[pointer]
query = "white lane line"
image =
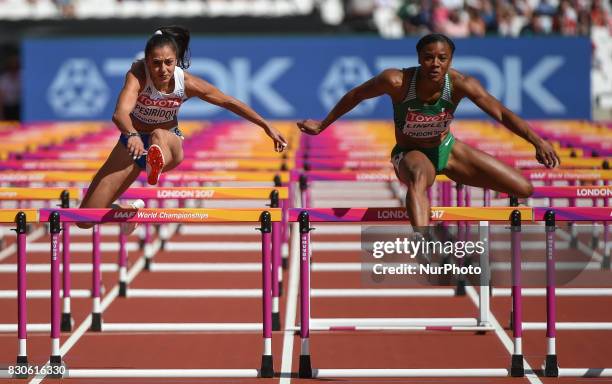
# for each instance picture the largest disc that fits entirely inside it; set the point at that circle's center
(290, 311)
(12, 249)
(46, 268)
(503, 337)
(586, 250)
(84, 247)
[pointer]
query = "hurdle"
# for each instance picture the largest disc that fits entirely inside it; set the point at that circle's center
(58, 216)
(362, 215)
(277, 197)
(20, 218)
(63, 195)
(582, 192)
(551, 216)
(201, 193)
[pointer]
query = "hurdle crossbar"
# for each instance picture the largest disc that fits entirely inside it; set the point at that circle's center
(197, 193)
(160, 215)
(398, 214)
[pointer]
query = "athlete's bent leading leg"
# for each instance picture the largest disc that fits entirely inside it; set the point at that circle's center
(114, 177)
(470, 166)
(164, 154)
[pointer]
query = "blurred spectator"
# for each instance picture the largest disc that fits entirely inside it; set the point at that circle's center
(416, 16)
(476, 23)
(599, 15)
(359, 14)
(439, 16)
(566, 19)
(10, 89)
(584, 23)
(509, 24)
(66, 8)
(538, 25)
(488, 15)
(457, 25)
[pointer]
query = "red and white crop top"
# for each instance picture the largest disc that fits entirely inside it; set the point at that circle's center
(155, 107)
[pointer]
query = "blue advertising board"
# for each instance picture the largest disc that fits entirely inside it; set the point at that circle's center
(303, 77)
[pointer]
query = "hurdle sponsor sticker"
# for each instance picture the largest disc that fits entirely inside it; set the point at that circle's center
(124, 214)
(185, 193)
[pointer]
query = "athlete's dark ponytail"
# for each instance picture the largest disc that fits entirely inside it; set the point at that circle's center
(177, 37)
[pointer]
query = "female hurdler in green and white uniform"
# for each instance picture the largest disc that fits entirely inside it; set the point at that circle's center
(424, 101)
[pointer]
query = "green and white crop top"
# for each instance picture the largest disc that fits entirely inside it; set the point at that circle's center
(416, 119)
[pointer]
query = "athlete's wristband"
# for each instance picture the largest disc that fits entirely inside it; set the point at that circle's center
(130, 134)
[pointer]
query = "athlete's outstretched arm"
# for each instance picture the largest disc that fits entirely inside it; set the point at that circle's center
(125, 105)
(384, 83)
(195, 86)
(470, 87)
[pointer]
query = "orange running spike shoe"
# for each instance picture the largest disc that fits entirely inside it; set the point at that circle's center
(155, 163)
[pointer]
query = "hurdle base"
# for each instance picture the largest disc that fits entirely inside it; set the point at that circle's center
(460, 290)
(22, 361)
(305, 371)
(594, 243)
(276, 323)
(267, 366)
(148, 263)
(96, 322)
(66, 324)
(486, 325)
(517, 369)
(122, 289)
(605, 263)
(55, 361)
(573, 243)
(162, 244)
(141, 244)
(551, 366)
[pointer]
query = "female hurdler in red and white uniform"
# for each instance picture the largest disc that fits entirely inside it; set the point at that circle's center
(146, 115)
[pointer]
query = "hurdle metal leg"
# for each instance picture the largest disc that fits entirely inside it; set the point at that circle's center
(276, 272)
(66, 324)
(485, 276)
(55, 358)
(96, 315)
(267, 367)
(516, 369)
(22, 316)
(305, 367)
(123, 259)
(551, 367)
